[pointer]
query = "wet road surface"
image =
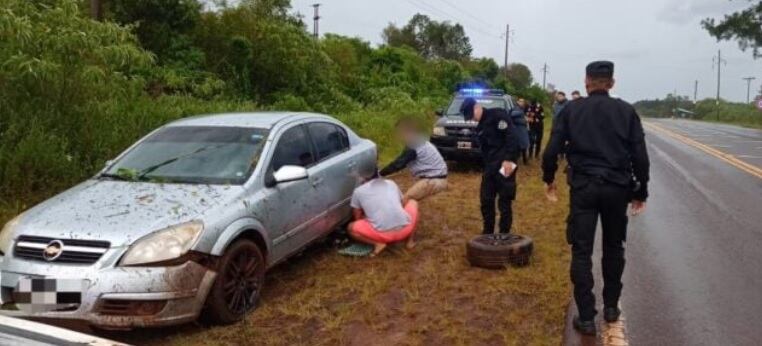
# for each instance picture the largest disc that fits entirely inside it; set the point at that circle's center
(694, 259)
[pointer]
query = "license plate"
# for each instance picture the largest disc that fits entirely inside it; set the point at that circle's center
(464, 145)
(44, 294)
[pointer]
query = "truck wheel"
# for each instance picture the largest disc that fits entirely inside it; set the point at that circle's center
(496, 251)
(238, 285)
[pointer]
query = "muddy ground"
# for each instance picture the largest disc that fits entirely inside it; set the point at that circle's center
(427, 296)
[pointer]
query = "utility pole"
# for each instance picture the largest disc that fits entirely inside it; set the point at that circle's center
(507, 39)
(719, 61)
(544, 74)
(748, 88)
(316, 20)
(96, 9)
(695, 92)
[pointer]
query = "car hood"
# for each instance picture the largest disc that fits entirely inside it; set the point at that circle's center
(455, 120)
(121, 212)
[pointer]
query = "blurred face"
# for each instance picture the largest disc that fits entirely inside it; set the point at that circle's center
(560, 97)
(522, 103)
(478, 112)
(575, 96)
(406, 133)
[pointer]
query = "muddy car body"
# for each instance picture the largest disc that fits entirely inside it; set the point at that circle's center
(151, 235)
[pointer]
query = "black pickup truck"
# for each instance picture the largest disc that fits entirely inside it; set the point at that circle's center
(453, 135)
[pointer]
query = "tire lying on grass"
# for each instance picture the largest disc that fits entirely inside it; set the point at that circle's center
(496, 251)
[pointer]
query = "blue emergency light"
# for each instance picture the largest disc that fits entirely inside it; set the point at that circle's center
(472, 91)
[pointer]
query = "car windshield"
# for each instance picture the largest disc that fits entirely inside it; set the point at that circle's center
(486, 102)
(193, 154)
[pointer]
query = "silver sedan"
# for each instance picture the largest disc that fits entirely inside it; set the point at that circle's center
(185, 222)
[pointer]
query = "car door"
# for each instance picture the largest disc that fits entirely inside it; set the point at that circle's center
(291, 207)
(334, 169)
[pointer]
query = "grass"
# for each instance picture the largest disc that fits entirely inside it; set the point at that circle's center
(428, 296)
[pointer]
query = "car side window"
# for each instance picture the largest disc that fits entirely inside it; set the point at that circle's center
(329, 139)
(293, 148)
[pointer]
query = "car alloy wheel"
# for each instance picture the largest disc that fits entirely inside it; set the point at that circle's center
(241, 282)
(238, 285)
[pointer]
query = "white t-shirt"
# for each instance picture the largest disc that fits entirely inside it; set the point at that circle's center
(381, 201)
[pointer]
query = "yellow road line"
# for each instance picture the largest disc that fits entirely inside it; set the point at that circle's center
(728, 158)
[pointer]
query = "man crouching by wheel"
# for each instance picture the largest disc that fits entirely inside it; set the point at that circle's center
(500, 151)
(424, 161)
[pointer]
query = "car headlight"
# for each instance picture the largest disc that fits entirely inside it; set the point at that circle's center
(439, 131)
(6, 235)
(163, 245)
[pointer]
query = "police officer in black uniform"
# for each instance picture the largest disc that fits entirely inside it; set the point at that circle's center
(608, 169)
(500, 151)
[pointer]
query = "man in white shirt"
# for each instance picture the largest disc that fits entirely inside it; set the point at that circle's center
(380, 218)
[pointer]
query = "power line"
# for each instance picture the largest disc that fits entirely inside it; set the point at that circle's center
(467, 13)
(429, 8)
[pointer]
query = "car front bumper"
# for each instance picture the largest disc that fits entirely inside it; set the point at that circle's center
(179, 292)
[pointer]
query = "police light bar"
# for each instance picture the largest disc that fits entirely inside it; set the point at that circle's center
(479, 91)
(472, 91)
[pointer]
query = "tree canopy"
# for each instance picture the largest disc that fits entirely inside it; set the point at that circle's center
(430, 38)
(519, 75)
(744, 26)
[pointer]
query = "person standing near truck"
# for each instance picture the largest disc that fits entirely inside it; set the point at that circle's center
(608, 169)
(424, 161)
(536, 129)
(500, 151)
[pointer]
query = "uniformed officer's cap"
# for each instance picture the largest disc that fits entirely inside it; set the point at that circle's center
(600, 69)
(467, 108)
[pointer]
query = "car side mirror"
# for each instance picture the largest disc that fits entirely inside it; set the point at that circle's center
(439, 112)
(288, 173)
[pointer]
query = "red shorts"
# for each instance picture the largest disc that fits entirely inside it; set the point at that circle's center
(365, 229)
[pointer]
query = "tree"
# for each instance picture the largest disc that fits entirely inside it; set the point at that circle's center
(519, 76)
(485, 69)
(743, 26)
(162, 26)
(430, 38)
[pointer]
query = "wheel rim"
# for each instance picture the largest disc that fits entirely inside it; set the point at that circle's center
(242, 282)
(500, 239)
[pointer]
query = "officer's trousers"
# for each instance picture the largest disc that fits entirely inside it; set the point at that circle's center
(495, 185)
(535, 141)
(591, 198)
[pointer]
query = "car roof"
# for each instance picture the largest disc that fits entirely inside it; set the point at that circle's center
(247, 119)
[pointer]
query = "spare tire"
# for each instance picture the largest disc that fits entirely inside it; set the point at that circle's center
(496, 251)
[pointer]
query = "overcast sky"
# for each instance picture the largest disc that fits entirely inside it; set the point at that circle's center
(658, 45)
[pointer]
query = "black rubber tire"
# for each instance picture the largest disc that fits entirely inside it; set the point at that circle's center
(221, 307)
(497, 251)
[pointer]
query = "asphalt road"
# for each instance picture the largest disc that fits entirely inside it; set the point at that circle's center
(694, 259)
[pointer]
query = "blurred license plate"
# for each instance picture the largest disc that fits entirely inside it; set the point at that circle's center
(464, 145)
(44, 294)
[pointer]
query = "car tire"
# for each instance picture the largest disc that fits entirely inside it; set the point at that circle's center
(241, 273)
(496, 251)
